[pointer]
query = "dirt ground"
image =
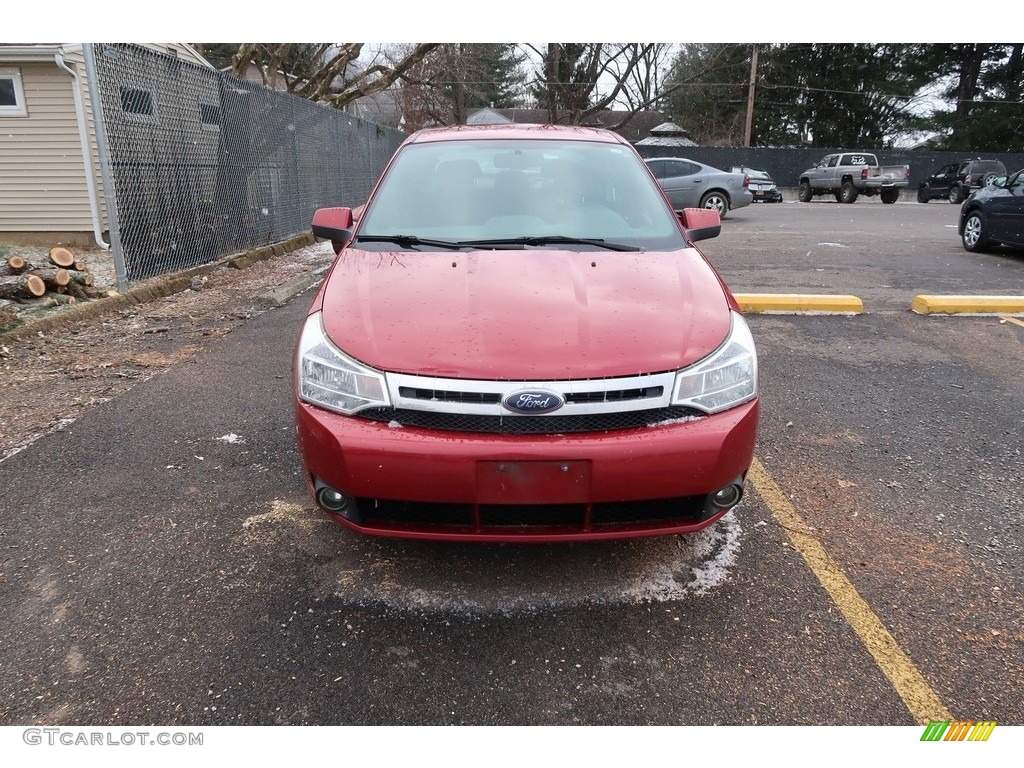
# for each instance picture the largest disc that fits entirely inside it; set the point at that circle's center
(51, 378)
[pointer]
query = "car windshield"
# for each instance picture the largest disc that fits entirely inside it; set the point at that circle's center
(518, 193)
(755, 174)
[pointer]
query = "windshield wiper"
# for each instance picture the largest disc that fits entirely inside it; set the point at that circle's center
(550, 240)
(407, 240)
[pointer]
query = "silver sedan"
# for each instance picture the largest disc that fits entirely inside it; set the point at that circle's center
(690, 184)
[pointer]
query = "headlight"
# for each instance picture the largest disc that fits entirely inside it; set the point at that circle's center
(724, 379)
(329, 378)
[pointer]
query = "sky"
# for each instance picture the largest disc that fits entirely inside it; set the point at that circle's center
(473, 21)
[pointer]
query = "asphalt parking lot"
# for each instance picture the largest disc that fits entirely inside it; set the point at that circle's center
(152, 571)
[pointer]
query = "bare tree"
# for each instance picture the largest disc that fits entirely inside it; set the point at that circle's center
(577, 80)
(455, 79)
(326, 72)
(643, 82)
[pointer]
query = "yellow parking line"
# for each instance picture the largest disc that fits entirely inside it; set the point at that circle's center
(911, 686)
(925, 304)
(1008, 319)
(799, 302)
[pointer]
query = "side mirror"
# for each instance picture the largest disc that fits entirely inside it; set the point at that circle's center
(334, 224)
(700, 223)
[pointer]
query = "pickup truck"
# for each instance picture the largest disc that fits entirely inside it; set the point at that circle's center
(850, 174)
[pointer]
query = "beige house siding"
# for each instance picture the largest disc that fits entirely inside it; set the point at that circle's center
(76, 61)
(181, 50)
(42, 173)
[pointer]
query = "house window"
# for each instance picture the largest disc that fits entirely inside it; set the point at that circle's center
(137, 101)
(209, 116)
(12, 95)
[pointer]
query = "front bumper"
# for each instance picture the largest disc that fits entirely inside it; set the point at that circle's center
(418, 483)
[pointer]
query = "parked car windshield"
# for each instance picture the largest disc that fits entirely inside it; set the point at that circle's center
(491, 189)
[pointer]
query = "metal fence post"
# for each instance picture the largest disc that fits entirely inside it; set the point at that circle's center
(109, 190)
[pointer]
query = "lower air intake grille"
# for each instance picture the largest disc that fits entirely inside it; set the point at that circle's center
(685, 509)
(528, 425)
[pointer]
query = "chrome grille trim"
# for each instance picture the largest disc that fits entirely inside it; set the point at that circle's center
(483, 398)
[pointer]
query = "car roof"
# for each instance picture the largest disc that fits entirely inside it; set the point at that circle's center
(684, 159)
(516, 131)
(688, 160)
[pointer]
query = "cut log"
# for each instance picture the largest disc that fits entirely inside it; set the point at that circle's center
(82, 278)
(21, 287)
(80, 266)
(62, 257)
(39, 302)
(77, 290)
(15, 265)
(93, 292)
(54, 278)
(62, 298)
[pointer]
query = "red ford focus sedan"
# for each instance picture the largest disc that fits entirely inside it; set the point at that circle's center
(518, 341)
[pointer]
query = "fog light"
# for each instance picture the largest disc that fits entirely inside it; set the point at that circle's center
(727, 497)
(332, 500)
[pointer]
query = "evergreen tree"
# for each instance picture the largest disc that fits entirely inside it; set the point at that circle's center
(984, 84)
(839, 95)
(710, 99)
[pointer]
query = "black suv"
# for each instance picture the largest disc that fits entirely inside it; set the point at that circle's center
(956, 181)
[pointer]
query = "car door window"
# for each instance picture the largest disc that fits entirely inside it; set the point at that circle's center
(832, 161)
(657, 168)
(681, 168)
(858, 160)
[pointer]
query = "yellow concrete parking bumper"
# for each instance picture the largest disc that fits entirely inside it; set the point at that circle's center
(961, 305)
(800, 302)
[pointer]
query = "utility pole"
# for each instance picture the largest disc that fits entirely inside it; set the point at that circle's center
(750, 97)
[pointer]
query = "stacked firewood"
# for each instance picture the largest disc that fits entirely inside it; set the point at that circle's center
(64, 279)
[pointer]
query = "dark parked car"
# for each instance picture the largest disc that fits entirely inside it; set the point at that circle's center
(689, 184)
(954, 182)
(762, 185)
(994, 215)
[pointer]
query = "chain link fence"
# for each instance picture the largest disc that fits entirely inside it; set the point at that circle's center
(199, 164)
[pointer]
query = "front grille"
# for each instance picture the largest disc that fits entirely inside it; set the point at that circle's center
(605, 515)
(446, 396)
(615, 395)
(490, 398)
(528, 425)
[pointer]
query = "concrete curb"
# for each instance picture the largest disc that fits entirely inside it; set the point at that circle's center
(151, 290)
(968, 305)
(789, 303)
(282, 294)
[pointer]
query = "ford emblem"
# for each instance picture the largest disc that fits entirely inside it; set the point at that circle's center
(533, 401)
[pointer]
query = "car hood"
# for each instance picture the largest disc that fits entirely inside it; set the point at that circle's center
(525, 314)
